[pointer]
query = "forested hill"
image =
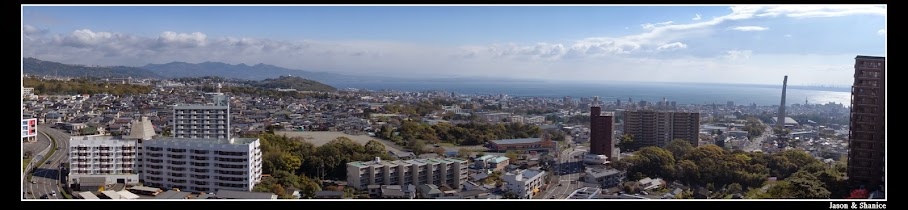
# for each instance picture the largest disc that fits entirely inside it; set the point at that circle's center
(291, 82)
(33, 66)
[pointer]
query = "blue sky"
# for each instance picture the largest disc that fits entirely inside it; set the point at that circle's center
(813, 44)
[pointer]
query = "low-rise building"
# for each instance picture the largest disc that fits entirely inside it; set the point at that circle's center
(525, 144)
(429, 191)
(526, 183)
(450, 172)
(606, 178)
(492, 162)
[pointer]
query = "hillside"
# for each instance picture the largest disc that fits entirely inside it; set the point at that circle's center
(34, 66)
(291, 82)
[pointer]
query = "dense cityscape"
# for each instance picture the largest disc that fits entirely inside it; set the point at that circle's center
(123, 135)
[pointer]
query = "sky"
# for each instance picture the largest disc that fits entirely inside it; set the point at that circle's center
(746, 44)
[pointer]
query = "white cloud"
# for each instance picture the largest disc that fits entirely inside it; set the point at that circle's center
(787, 35)
(809, 11)
(30, 30)
(749, 28)
(672, 46)
(697, 17)
(736, 55)
(650, 26)
(170, 38)
(881, 32)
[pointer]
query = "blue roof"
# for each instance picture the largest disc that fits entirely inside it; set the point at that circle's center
(517, 141)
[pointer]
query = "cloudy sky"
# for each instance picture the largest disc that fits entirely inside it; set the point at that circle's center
(813, 44)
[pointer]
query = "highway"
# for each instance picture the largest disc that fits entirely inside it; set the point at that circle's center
(568, 170)
(45, 179)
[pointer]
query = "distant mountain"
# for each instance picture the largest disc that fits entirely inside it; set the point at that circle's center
(291, 82)
(242, 71)
(33, 66)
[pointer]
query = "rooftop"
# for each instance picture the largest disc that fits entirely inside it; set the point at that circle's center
(598, 172)
(172, 194)
(230, 194)
(393, 163)
(517, 141)
(870, 57)
(233, 141)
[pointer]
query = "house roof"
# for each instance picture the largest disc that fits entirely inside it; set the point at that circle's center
(230, 194)
(517, 141)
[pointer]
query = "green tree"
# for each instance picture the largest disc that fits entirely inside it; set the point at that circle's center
(285, 178)
(653, 161)
(464, 153)
(417, 146)
(679, 148)
(735, 188)
(626, 143)
(805, 185)
(308, 186)
(288, 162)
(375, 148)
(511, 155)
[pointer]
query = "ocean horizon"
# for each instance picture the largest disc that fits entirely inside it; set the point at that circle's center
(682, 93)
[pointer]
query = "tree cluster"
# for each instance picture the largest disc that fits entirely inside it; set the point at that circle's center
(711, 166)
(460, 134)
(82, 86)
(293, 162)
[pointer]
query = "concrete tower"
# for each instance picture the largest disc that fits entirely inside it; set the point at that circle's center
(780, 122)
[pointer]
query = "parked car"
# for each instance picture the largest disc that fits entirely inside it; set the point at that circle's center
(53, 193)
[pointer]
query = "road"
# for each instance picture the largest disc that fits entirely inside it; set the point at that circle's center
(46, 177)
(568, 172)
(757, 143)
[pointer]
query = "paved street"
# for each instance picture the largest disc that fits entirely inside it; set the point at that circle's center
(757, 143)
(45, 180)
(567, 173)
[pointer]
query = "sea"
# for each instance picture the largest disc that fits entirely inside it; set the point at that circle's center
(682, 93)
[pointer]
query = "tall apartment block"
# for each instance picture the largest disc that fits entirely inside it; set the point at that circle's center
(95, 161)
(601, 131)
(210, 120)
(98, 159)
(201, 156)
(867, 137)
(202, 165)
(657, 128)
(438, 171)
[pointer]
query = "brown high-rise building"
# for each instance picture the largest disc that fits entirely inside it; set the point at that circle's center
(601, 132)
(657, 128)
(867, 137)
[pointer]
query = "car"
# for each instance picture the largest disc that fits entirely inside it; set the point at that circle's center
(53, 193)
(34, 182)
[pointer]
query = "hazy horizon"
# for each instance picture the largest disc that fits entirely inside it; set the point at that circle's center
(814, 45)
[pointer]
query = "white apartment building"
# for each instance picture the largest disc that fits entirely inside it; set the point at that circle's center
(526, 183)
(202, 165)
(208, 121)
(439, 171)
(95, 157)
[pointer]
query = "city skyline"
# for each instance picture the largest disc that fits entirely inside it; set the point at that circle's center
(738, 44)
